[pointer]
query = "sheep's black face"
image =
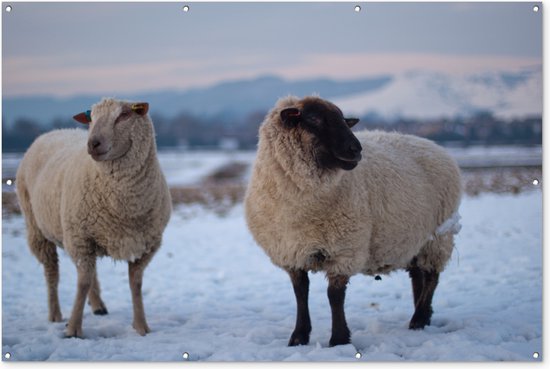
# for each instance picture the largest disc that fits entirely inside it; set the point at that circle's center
(335, 145)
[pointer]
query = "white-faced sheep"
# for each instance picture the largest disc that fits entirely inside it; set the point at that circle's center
(96, 193)
(315, 203)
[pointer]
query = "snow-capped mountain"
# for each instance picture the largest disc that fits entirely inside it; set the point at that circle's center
(228, 101)
(428, 95)
(417, 94)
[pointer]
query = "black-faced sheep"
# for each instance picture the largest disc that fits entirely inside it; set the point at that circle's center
(96, 193)
(323, 199)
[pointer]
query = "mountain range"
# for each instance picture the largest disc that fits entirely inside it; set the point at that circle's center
(425, 95)
(415, 94)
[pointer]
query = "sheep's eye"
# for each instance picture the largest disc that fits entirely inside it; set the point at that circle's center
(123, 116)
(314, 122)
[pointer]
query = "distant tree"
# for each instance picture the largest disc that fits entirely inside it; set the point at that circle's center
(21, 135)
(247, 133)
(60, 123)
(164, 136)
(186, 129)
(196, 131)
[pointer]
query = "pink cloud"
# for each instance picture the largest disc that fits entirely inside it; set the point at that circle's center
(60, 76)
(362, 64)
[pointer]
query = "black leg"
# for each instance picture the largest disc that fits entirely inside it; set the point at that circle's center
(300, 283)
(336, 295)
(423, 310)
(417, 279)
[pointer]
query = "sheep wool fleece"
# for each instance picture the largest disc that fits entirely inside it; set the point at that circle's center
(118, 208)
(374, 219)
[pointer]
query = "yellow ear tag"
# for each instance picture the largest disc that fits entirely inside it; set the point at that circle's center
(140, 108)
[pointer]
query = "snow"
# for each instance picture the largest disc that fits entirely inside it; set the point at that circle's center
(451, 225)
(188, 167)
(211, 292)
(429, 95)
(496, 156)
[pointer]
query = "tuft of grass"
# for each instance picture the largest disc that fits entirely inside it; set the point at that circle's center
(230, 173)
(225, 188)
(501, 180)
(10, 205)
(219, 198)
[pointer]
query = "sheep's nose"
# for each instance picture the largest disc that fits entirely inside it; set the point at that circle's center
(355, 150)
(94, 143)
(98, 147)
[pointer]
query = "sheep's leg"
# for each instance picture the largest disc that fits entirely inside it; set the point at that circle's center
(86, 271)
(300, 283)
(51, 270)
(423, 310)
(337, 294)
(417, 280)
(135, 272)
(94, 298)
(46, 252)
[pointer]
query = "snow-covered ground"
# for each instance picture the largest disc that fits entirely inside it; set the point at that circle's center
(181, 167)
(212, 293)
(496, 156)
(187, 167)
(184, 167)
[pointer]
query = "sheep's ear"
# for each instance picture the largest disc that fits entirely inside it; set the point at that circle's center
(85, 117)
(141, 108)
(351, 121)
(291, 116)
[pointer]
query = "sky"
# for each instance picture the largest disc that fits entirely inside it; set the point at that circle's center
(64, 49)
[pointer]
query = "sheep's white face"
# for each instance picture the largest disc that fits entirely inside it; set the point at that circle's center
(114, 127)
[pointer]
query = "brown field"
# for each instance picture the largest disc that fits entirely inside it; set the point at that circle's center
(224, 188)
(501, 180)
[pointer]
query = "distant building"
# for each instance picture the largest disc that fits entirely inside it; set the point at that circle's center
(228, 144)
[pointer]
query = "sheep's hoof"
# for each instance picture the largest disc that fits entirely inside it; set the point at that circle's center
(339, 340)
(73, 333)
(340, 335)
(73, 336)
(420, 319)
(101, 311)
(141, 329)
(298, 338)
(55, 317)
(417, 325)
(98, 307)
